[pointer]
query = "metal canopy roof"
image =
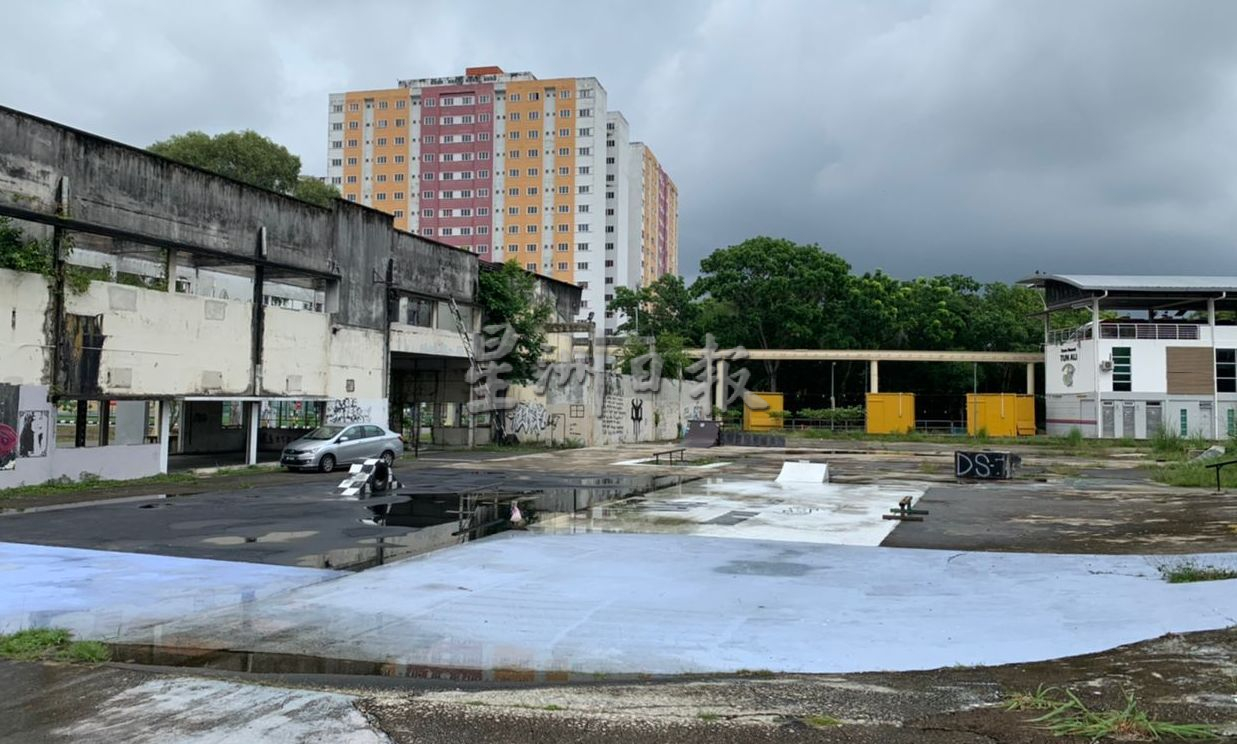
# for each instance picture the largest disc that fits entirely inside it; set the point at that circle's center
(1138, 283)
(1135, 292)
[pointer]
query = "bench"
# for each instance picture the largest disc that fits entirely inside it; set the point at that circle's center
(670, 453)
(1219, 466)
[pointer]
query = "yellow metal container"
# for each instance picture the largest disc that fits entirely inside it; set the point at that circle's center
(767, 419)
(890, 413)
(1000, 414)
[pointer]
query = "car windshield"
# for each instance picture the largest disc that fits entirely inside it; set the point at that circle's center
(323, 432)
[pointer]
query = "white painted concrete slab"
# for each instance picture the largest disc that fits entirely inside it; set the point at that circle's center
(837, 513)
(189, 710)
(803, 471)
(671, 604)
(102, 594)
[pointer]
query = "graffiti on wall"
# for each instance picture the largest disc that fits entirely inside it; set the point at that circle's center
(529, 418)
(32, 441)
(8, 426)
(614, 414)
(346, 411)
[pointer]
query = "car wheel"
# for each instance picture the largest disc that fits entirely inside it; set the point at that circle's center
(327, 463)
(388, 457)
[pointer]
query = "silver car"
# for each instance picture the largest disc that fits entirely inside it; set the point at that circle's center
(340, 444)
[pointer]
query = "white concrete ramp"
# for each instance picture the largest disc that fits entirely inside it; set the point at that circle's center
(804, 471)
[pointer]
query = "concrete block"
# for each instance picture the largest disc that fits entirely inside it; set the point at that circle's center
(804, 471)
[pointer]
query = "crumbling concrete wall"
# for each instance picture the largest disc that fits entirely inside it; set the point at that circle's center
(24, 304)
(604, 409)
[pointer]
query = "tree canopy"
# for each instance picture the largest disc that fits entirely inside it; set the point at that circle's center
(249, 157)
(767, 293)
(507, 295)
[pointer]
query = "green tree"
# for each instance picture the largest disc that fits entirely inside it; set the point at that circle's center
(507, 295)
(249, 157)
(664, 307)
(771, 293)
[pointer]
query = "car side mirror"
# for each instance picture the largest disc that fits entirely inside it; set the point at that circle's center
(343, 439)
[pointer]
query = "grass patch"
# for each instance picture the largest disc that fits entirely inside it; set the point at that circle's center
(1066, 715)
(90, 484)
(1188, 572)
(821, 721)
(706, 716)
(36, 644)
(755, 673)
(1191, 474)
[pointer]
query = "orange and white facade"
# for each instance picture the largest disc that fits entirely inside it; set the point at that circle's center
(512, 168)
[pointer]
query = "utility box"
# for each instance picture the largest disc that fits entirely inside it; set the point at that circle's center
(766, 420)
(890, 413)
(1000, 414)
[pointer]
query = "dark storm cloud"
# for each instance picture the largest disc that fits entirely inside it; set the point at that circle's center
(991, 138)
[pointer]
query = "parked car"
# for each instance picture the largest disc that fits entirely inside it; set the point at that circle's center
(340, 444)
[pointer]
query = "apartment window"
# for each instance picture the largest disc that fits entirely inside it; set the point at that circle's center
(398, 196)
(586, 131)
(610, 142)
(337, 162)
(354, 125)
(428, 177)
(484, 99)
(532, 172)
(534, 96)
(381, 196)
(1226, 370)
(513, 210)
(581, 246)
(382, 178)
(564, 227)
(564, 94)
(428, 157)
(399, 159)
(483, 192)
(335, 180)
(609, 280)
(534, 115)
(483, 211)
(430, 139)
(513, 229)
(514, 116)
(530, 228)
(609, 228)
(609, 194)
(382, 104)
(401, 103)
(584, 189)
(382, 123)
(353, 143)
(564, 246)
(609, 263)
(483, 230)
(582, 227)
(1121, 369)
(381, 160)
(484, 136)
(444, 213)
(337, 108)
(427, 194)
(351, 179)
(562, 265)
(427, 213)
(582, 266)
(430, 102)
(585, 170)
(585, 113)
(564, 171)
(483, 174)
(534, 153)
(354, 107)
(400, 122)
(586, 93)
(514, 191)
(564, 133)
(420, 312)
(337, 126)
(381, 142)
(429, 120)
(610, 212)
(564, 208)
(566, 113)
(585, 151)
(351, 197)
(532, 191)
(582, 208)
(531, 210)
(609, 246)
(531, 247)
(530, 266)
(337, 144)
(609, 161)
(448, 231)
(399, 140)
(513, 135)
(399, 213)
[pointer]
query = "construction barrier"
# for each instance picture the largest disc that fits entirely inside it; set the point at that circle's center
(1000, 414)
(766, 420)
(890, 413)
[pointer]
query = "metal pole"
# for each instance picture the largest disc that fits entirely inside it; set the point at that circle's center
(833, 368)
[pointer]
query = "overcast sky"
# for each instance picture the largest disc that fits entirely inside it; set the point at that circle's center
(921, 137)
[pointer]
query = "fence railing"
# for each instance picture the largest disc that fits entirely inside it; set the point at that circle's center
(1146, 331)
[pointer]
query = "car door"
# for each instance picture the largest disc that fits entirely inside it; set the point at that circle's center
(376, 442)
(353, 449)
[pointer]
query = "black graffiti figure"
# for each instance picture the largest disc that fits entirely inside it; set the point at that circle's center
(637, 410)
(25, 446)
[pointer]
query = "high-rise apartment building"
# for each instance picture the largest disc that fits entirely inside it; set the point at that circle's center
(512, 168)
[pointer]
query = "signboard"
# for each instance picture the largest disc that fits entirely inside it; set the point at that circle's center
(985, 465)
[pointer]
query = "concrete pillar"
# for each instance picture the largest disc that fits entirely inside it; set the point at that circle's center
(169, 268)
(165, 433)
(719, 383)
(253, 417)
(874, 384)
(1031, 378)
(1215, 389)
(1095, 365)
(105, 422)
